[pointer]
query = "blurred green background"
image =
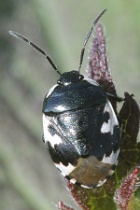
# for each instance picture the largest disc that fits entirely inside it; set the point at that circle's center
(28, 179)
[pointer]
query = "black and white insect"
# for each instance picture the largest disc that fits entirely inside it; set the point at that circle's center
(80, 126)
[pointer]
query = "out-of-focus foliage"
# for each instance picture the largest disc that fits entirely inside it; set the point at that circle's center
(28, 179)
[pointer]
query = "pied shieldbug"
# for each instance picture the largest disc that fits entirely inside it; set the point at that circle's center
(81, 129)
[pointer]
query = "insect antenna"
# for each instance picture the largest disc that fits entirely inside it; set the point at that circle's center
(19, 36)
(87, 38)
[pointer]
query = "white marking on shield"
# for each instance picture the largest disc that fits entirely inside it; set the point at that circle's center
(51, 90)
(85, 186)
(106, 127)
(53, 139)
(65, 170)
(101, 182)
(112, 159)
(113, 121)
(73, 181)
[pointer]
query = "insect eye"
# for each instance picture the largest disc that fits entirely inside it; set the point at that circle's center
(81, 77)
(59, 82)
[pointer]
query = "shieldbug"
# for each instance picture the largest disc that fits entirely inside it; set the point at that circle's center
(80, 126)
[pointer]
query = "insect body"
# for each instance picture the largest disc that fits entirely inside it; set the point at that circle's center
(80, 127)
(81, 130)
